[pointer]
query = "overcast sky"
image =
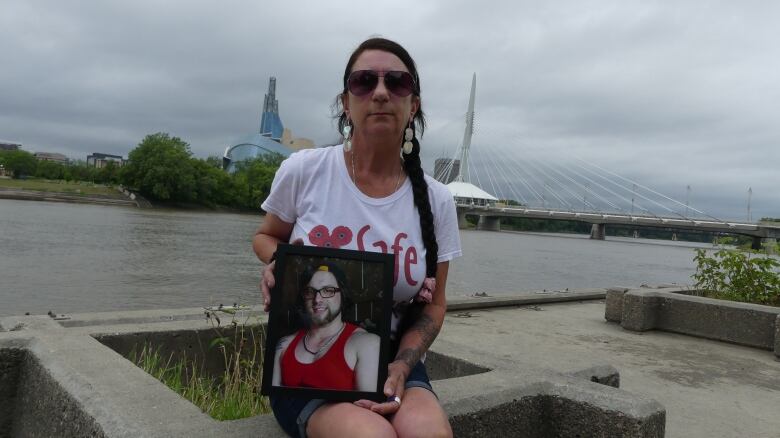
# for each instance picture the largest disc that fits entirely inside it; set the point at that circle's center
(668, 94)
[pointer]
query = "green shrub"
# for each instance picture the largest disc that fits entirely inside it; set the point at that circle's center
(738, 276)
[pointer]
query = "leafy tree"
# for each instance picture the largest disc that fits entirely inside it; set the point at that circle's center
(108, 174)
(80, 171)
(214, 161)
(161, 168)
(212, 185)
(21, 163)
(50, 170)
(253, 179)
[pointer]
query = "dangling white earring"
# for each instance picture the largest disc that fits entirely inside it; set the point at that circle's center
(347, 132)
(408, 136)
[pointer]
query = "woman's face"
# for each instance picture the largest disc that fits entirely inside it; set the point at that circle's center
(379, 113)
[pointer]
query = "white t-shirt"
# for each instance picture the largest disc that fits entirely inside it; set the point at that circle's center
(313, 190)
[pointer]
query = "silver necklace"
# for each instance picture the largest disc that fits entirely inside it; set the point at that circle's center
(325, 344)
(354, 174)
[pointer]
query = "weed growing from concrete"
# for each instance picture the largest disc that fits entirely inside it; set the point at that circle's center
(232, 395)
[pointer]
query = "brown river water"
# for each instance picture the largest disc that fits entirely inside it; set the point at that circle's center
(72, 258)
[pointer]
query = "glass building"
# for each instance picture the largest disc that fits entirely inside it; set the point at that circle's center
(253, 146)
(263, 142)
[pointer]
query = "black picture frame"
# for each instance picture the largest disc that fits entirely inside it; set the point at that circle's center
(370, 283)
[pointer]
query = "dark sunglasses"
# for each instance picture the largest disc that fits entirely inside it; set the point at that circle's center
(362, 82)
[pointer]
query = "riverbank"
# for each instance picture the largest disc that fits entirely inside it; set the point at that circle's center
(88, 193)
(79, 198)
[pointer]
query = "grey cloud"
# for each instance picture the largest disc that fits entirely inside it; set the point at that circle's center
(669, 93)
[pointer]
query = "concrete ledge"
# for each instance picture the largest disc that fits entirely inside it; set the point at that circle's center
(150, 316)
(44, 408)
(777, 336)
(557, 409)
(640, 311)
(614, 306)
(670, 309)
(68, 382)
(10, 369)
(460, 304)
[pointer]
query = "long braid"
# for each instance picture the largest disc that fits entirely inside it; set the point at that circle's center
(413, 168)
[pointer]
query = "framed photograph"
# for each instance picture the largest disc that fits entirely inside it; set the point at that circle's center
(328, 331)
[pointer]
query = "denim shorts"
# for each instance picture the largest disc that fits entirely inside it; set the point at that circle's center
(293, 413)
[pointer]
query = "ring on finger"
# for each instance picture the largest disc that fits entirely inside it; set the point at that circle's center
(394, 398)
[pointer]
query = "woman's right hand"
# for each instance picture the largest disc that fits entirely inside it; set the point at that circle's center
(267, 283)
(268, 280)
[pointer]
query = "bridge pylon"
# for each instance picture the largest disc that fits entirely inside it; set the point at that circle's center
(466, 194)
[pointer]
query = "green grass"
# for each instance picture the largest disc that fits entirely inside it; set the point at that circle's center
(59, 186)
(232, 395)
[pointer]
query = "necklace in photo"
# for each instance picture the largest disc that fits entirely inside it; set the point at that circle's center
(324, 344)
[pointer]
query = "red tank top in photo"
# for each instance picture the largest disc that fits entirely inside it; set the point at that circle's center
(330, 371)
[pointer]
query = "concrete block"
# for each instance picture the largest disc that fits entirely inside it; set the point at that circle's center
(192, 345)
(677, 310)
(613, 310)
(43, 408)
(640, 310)
(10, 369)
(777, 336)
(524, 417)
(555, 409)
(575, 418)
(440, 366)
(739, 323)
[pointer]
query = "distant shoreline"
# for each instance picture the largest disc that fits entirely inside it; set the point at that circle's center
(118, 200)
(33, 195)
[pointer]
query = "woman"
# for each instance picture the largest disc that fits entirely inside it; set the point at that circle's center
(360, 195)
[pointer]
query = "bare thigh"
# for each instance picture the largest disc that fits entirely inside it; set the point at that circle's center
(347, 420)
(421, 415)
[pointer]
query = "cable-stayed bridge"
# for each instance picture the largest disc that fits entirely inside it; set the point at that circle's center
(502, 185)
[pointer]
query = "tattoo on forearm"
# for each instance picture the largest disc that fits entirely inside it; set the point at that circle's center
(428, 330)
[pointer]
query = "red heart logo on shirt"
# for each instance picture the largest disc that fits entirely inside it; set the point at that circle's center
(320, 236)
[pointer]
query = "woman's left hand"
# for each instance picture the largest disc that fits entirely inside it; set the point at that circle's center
(397, 372)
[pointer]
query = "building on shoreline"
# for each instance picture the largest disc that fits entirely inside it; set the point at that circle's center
(6, 145)
(52, 156)
(101, 160)
(272, 137)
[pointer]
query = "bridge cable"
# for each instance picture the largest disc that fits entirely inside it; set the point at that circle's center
(578, 185)
(513, 169)
(654, 192)
(506, 179)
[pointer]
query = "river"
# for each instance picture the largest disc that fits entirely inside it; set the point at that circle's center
(72, 258)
